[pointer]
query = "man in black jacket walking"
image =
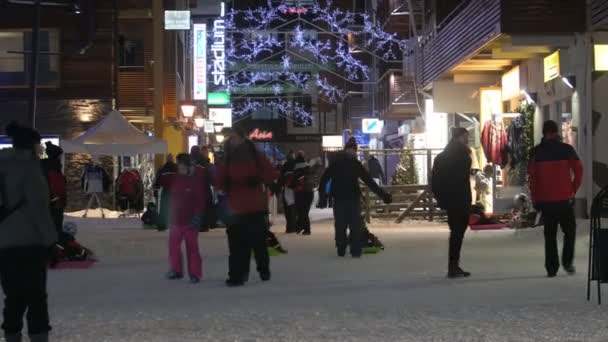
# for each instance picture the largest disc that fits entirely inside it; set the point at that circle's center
(375, 170)
(452, 189)
(345, 172)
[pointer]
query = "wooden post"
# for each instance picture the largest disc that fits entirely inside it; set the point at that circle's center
(157, 69)
(429, 172)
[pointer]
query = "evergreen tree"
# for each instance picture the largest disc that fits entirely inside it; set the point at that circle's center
(407, 173)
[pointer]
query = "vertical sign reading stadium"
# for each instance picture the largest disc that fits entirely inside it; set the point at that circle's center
(200, 62)
(218, 49)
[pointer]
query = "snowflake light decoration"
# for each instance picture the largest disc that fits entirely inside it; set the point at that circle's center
(269, 33)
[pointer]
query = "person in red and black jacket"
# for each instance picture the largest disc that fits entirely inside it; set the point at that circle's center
(187, 205)
(556, 174)
(243, 176)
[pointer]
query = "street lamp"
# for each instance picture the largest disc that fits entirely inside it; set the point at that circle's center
(188, 109)
(199, 122)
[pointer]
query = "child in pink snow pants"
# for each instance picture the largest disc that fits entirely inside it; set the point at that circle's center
(186, 209)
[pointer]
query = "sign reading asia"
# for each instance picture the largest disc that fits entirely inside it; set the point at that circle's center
(258, 134)
(264, 130)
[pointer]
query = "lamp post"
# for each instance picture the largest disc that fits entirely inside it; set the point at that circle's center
(188, 110)
(199, 122)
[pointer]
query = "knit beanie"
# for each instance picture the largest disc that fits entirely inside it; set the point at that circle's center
(351, 144)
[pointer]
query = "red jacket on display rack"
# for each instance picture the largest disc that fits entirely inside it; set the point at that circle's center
(187, 198)
(244, 179)
(494, 142)
(556, 173)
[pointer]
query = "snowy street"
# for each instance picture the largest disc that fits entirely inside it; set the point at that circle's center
(398, 295)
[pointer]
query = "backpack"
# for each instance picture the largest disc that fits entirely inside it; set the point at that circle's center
(438, 179)
(150, 217)
(5, 210)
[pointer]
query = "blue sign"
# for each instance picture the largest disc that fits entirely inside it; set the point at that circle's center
(360, 137)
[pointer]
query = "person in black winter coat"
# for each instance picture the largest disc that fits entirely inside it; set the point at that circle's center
(170, 168)
(53, 172)
(289, 207)
(303, 186)
(452, 189)
(345, 172)
(375, 169)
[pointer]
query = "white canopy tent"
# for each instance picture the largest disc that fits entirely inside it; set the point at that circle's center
(114, 136)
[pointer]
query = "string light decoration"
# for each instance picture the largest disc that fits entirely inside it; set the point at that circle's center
(323, 38)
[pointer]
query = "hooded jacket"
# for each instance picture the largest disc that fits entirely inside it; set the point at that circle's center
(375, 169)
(451, 177)
(344, 172)
(244, 176)
(556, 174)
(30, 225)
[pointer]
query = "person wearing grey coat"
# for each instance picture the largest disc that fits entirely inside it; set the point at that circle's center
(26, 234)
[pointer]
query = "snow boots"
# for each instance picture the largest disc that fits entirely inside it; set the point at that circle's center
(13, 338)
(454, 271)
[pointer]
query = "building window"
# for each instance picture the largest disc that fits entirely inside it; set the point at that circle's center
(15, 70)
(131, 51)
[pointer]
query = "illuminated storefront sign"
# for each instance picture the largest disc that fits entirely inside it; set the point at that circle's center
(403, 130)
(177, 20)
(333, 141)
(600, 53)
(221, 116)
(258, 134)
(373, 126)
(199, 78)
(551, 66)
(510, 84)
(218, 98)
(209, 126)
(218, 50)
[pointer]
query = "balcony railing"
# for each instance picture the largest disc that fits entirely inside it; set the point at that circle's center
(599, 13)
(475, 23)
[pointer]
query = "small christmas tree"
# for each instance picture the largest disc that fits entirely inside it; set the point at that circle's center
(406, 173)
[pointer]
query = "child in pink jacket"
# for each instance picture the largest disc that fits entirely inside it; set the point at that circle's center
(185, 216)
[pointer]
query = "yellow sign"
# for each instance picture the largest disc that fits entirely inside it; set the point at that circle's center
(552, 66)
(601, 57)
(510, 84)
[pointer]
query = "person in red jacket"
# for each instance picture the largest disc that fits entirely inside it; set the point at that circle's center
(556, 174)
(243, 176)
(185, 216)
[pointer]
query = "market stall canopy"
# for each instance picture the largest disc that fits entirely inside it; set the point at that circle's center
(114, 136)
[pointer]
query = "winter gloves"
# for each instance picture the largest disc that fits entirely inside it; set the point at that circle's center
(386, 198)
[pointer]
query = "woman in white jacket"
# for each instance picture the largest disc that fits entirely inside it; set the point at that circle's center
(26, 233)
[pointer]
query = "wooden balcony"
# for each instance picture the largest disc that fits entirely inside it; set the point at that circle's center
(599, 14)
(397, 14)
(485, 25)
(397, 97)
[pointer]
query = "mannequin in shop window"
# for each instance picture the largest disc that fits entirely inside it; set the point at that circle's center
(494, 141)
(94, 181)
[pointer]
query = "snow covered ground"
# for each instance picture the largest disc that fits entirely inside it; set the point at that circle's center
(399, 295)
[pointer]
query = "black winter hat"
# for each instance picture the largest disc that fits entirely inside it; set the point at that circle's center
(24, 138)
(184, 159)
(351, 144)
